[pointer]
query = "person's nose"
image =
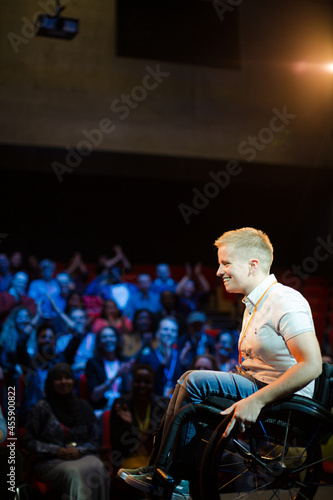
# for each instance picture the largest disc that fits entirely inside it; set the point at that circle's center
(220, 270)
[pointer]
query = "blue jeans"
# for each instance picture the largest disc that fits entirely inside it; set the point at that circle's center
(196, 385)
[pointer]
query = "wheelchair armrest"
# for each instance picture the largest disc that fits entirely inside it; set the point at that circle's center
(323, 391)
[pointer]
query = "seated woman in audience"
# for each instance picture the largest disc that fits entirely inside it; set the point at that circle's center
(143, 333)
(134, 419)
(112, 316)
(137, 415)
(225, 345)
(63, 434)
(19, 324)
(107, 375)
(205, 362)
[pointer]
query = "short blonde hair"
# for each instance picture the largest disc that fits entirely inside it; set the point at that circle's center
(248, 242)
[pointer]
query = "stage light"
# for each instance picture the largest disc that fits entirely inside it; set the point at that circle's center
(57, 26)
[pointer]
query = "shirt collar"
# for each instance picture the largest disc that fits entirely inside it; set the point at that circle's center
(253, 297)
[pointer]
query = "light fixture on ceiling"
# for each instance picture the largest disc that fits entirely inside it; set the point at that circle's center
(57, 26)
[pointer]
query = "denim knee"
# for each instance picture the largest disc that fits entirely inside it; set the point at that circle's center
(184, 377)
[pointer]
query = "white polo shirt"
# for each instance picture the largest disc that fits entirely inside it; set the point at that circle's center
(283, 313)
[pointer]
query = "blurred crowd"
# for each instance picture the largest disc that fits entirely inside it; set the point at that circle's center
(120, 346)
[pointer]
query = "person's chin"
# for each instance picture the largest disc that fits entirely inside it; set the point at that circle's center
(230, 287)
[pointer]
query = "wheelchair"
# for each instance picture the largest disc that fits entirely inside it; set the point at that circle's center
(278, 457)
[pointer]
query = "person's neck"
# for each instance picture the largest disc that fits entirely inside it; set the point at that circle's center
(140, 404)
(256, 280)
(110, 356)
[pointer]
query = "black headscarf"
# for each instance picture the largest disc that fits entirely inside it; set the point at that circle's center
(69, 409)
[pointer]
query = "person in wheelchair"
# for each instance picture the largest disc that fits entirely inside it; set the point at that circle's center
(279, 354)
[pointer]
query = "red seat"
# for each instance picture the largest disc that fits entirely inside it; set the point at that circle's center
(330, 319)
(106, 428)
(315, 291)
(83, 387)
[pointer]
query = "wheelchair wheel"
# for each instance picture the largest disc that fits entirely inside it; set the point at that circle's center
(278, 458)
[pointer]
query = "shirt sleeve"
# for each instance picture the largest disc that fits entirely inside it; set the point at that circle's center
(294, 323)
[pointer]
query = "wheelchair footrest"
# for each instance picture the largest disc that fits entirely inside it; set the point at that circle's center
(162, 481)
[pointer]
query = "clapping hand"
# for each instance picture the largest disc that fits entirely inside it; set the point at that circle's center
(123, 412)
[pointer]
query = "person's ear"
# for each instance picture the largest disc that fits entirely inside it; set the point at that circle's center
(254, 265)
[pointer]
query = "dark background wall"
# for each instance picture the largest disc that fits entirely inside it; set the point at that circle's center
(91, 213)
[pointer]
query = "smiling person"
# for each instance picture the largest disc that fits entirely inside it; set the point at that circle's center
(279, 352)
(63, 434)
(108, 376)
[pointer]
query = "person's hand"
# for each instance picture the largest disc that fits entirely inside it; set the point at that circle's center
(188, 269)
(126, 367)
(197, 269)
(184, 352)
(123, 412)
(77, 259)
(70, 453)
(246, 412)
(117, 250)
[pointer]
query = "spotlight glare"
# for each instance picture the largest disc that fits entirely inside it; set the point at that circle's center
(329, 67)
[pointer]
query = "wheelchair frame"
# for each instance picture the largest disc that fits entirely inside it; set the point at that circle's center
(278, 457)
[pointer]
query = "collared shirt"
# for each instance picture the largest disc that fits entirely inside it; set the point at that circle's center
(282, 314)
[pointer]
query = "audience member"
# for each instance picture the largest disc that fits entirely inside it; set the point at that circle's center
(224, 346)
(16, 296)
(163, 280)
(78, 326)
(112, 316)
(189, 299)
(46, 285)
(34, 368)
(65, 287)
(62, 432)
(33, 269)
(142, 335)
(5, 275)
(74, 301)
(164, 359)
(78, 272)
(134, 419)
(196, 341)
(205, 362)
(16, 262)
(107, 272)
(18, 325)
(108, 376)
(169, 309)
(144, 298)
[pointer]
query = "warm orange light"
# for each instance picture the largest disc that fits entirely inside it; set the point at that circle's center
(329, 67)
(301, 67)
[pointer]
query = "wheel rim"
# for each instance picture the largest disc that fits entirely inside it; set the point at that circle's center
(275, 460)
